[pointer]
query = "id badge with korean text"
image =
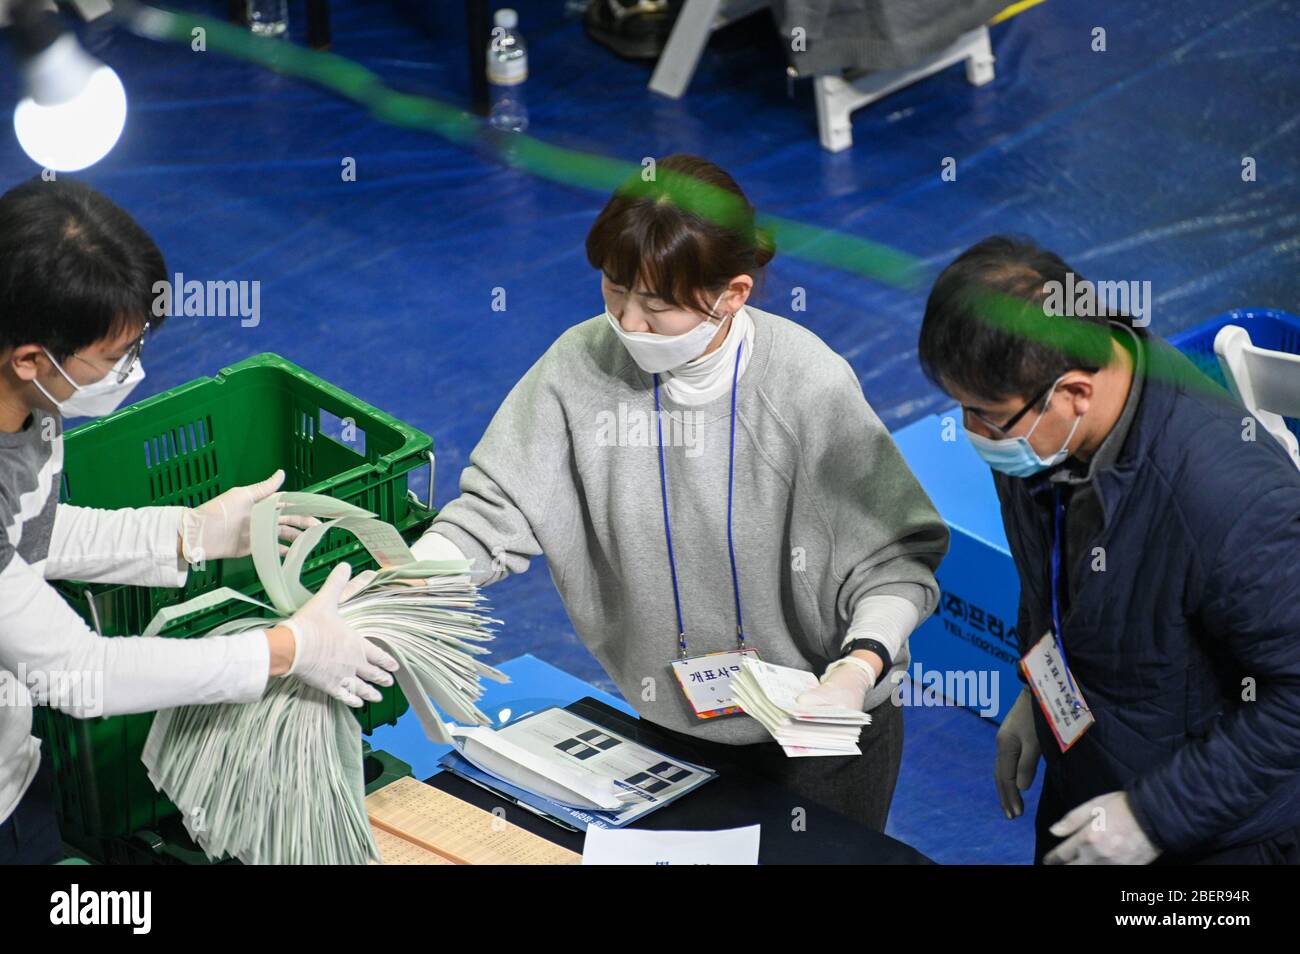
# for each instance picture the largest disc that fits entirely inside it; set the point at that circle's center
(1048, 680)
(706, 681)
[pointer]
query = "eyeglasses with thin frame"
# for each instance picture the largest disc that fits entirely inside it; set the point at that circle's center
(1002, 430)
(129, 357)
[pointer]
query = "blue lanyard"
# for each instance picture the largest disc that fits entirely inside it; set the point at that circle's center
(668, 533)
(1058, 533)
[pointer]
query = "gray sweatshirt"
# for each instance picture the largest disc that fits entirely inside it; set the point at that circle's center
(825, 511)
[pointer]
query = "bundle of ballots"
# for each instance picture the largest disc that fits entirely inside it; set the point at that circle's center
(768, 693)
(280, 781)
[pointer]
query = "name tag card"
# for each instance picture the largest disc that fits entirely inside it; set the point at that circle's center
(706, 681)
(1048, 679)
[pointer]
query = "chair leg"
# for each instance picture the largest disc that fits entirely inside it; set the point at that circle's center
(837, 98)
(686, 42)
(979, 61)
(318, 24)
(478, 31)
(834, 99)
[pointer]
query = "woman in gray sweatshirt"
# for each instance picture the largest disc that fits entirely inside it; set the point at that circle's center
(701, 476)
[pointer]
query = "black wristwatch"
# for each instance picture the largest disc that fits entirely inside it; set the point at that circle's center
(871, 645)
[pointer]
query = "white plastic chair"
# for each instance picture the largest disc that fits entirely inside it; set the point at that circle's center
(1266, 382)
(837, 97)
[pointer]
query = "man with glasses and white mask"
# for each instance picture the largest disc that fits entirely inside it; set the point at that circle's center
(76, 289)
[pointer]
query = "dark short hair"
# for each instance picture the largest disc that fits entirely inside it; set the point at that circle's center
(986, 329)
(685, 233)
(74, 268)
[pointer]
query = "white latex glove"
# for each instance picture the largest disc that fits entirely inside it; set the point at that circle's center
(218, 529)
(355, 584)
(365, 576)
(1016, 763)
(845, 684)
(1101, 831)
(332, 656)
(431, 546)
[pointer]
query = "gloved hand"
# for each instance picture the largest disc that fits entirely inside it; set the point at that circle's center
(218, 529)
(1018, 754)
(431, 546)
(365, 576)
(355, 584)
(845, 683)
(1101, 831)
(332, 656)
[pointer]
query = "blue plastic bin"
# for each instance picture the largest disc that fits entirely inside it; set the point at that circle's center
(1267, 327)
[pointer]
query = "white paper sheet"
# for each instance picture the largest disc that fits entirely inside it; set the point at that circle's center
(634, 846)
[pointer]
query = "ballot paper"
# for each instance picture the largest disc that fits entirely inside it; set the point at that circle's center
(549, 777)
(573, 769)
(635, 846)
(280, 780)
(768, 693)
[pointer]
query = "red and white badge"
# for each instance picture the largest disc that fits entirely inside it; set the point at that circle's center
(706, 681)
(1048, 679)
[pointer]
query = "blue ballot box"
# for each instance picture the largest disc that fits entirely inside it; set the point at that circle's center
(966, 653)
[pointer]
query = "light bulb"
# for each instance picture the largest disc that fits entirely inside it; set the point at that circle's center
(78, 132)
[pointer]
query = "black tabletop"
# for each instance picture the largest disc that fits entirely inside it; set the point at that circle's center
(732, 800)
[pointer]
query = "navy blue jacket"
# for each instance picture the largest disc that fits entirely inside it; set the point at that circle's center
(1186, 646)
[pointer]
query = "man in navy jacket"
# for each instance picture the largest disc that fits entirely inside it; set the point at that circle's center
(1174, 521)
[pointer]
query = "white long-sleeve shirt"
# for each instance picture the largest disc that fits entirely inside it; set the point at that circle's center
(47, 653)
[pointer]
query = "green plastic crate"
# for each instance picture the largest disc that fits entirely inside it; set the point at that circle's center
(183, 447)
(187, 445)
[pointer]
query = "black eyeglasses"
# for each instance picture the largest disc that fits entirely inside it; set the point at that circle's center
(1002, 429)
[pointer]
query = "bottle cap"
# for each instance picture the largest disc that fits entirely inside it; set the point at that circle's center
(506, 18)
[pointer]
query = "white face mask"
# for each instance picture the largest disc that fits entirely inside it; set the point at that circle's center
(100, 398)
(655, 354)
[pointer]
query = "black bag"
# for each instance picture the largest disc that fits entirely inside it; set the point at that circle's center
(634, 29)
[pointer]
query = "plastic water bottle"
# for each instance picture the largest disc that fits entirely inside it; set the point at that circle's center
(267, 17)
(507, 69)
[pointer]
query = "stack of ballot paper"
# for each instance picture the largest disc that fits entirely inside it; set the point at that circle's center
(544, 773)
(767, 693)
(280, 780)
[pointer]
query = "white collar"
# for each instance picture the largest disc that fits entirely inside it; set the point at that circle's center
(709, 376)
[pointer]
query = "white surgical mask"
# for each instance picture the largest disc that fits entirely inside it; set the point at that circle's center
(655, 354)
(100, 398)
